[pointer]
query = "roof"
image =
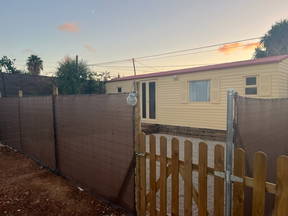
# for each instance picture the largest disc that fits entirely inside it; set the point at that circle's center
(266, 60)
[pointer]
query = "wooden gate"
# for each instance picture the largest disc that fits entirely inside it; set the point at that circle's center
(154, 170)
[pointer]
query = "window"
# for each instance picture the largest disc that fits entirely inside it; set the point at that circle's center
(143, 100)
(152, 100)
(251, 85)
(119, 89)
(199, 91)
(148, 100)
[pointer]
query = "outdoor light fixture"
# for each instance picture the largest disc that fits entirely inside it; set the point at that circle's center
(132, 98)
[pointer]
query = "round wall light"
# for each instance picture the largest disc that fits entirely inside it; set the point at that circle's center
(132, 99)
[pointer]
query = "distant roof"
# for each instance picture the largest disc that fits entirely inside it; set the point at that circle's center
(266, 60)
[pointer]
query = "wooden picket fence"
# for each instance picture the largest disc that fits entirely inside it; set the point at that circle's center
(175, 167)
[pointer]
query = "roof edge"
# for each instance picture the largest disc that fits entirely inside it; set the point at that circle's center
(221, 66)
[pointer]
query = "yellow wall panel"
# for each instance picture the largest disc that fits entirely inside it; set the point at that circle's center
(174, 107)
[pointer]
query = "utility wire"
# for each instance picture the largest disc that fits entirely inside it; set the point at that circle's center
(205, 51)
(124, 66)
(174, 52)
(146, 66)
(197, 48)
(121, 69)
(184, 54)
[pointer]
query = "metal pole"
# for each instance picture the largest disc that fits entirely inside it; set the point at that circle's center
(76, 63)
(229, 151)
(134, 82)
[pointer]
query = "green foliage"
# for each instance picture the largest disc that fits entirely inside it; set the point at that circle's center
(34, 64)
(8, 64)
(275, 41)
(71, 80)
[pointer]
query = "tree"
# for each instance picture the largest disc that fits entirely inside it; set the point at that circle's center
(76, 80)
(8, 64)
(274, 42)
(34, 65)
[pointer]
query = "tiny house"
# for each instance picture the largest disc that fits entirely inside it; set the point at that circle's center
(195, 98)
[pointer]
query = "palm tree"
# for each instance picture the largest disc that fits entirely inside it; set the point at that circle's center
(34, 64)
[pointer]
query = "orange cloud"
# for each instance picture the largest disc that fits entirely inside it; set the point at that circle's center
(228, 48)
(69, 27)
(89, 47)
(251, 45)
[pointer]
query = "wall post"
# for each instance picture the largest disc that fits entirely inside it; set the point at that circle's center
(20, 95)
(229, 152)
(54, 96)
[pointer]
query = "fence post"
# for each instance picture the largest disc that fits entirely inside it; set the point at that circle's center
(3, 84)
(136, 134)
(20, 95)
(55, 91)
(54, 95)
(229, 151)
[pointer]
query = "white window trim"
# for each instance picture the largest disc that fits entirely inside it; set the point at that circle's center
(199, 102)
(147, 100)
(251, 86)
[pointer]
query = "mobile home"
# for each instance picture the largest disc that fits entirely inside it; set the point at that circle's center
(195, 98)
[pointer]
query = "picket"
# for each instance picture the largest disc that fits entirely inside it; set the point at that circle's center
(259, 175)
(142, 185)
(187, 178)
(152, 166)
(202, 179)
(218, 181)
(175, 167)
(163, 178)
(238, 187)
(175, 177)
(282, 187)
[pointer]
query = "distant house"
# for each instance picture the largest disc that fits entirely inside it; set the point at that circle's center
(195, 98)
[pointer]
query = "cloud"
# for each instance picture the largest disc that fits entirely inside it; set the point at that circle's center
(28, 51)
(89, 47)
(229, 48)
(69, 27)
(251, 45)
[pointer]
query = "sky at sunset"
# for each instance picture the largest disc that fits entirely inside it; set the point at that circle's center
(106, 30)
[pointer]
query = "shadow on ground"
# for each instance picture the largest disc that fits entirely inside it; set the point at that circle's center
(27, 189)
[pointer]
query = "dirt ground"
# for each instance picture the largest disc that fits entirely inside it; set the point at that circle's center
(28, 189)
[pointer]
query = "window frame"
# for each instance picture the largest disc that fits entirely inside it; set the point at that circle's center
(147, 100)
(142, 95)
(120, 90)
(251, 86)
(209, 91)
